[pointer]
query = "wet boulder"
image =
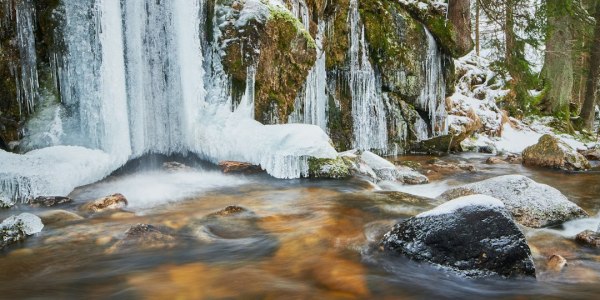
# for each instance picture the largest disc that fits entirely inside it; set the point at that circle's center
(17, 228)
(144, 237)
(589, 238)
(50, 201)
(239, 167)
(472, 236)
(551, 152)
(556, 263)
(531, 204)
(112, 202)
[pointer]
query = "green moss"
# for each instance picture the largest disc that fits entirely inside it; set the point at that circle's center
(328, 168)
(280, 16)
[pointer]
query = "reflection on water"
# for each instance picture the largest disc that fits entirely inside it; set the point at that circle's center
(301, 239)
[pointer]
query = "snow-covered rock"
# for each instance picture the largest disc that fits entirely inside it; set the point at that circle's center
(473, 236)
(383, 168)
(532, 204)
(17, 228)
(52, 171)
(551, 152)
(5, 202)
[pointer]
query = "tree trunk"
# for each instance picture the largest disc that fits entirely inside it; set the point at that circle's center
(558, 62)
(593, 80)
(477, 35)
(459, 15)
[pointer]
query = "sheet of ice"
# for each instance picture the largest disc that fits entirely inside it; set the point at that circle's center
(281, 150)
(30, 223)
(462, 202)
(149, 189)
(52, 171)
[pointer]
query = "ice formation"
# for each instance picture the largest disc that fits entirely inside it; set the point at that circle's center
(433, 93)
(368, 110)
(132, 82)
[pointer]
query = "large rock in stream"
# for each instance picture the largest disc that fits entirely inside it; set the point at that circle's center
(551, 152)
(531, 204)
(17, 228)
(473, 236)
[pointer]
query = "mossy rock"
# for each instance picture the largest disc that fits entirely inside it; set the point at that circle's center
(328, 168)
(435, 21)
(280, 48)
(551, 152)
(397, 45)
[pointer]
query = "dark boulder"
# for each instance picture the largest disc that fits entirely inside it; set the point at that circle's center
(473, 236)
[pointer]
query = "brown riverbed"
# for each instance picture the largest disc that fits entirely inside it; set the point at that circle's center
(306, 239)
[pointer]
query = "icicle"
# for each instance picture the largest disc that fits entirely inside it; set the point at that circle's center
(432, 97)
(311, 104)
(368, 111)
(28, 75)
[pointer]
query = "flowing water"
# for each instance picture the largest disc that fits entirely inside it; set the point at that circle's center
(305, 239)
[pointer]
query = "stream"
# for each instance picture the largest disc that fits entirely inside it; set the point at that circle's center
(301, 239)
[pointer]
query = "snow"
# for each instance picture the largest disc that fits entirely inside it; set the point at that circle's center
(31, 224)
(52, 171)
(281, 150)
(480, 201)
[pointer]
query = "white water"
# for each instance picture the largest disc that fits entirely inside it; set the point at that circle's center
(368, 111)
(432, 97)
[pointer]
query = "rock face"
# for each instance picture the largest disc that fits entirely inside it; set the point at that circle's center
(17, 228)
(550, 152)
(143, 237)
(473, 236)
(116, 201)
(532, 204)
(591, 154)
(49, 201)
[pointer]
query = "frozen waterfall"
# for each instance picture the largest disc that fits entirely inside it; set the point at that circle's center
(432, 97)
(132, 82)
(368, 110)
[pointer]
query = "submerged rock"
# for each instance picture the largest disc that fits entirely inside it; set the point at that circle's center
(556, 263)
(58, 216)
(173, 166)
(436, 146)
(551, 152)
(17, 228)
(239, 167)
(589, 238)
(473, 236)
(532, 204)
(115, 201)
(143, 237)
(49, 201)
